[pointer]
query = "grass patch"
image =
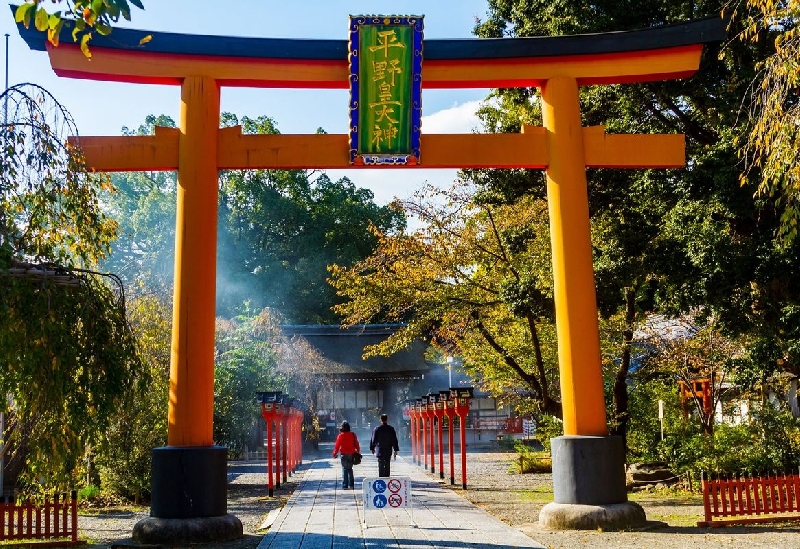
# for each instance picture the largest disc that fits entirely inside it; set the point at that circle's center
(667, 496)
(536, 495)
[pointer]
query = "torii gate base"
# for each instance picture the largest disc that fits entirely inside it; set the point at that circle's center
(589, 486)
(189, 498)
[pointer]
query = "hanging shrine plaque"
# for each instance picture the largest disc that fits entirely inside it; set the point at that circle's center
(385, 89)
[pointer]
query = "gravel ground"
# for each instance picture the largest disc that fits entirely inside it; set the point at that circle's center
(247, 500)
(514, 499)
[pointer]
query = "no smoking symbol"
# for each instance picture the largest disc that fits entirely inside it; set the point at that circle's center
(395, 485)
(395, 500)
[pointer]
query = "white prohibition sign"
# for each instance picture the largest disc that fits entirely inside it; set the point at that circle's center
(387, 493)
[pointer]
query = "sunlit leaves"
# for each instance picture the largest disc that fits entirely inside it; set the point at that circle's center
(45, 182)
(85, 15)
(66, 351)
(771, 149)
(474, 282)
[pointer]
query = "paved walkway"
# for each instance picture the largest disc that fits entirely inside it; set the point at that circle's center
(320, 514)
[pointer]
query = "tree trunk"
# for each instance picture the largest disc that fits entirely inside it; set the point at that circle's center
(620, 423)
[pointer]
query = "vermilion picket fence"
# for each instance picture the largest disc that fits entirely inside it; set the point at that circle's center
(50, 524)
(749, 499)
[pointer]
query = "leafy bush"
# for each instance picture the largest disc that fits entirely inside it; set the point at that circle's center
(548, 427)
(770, 441)
(531, 461)
(88, 492)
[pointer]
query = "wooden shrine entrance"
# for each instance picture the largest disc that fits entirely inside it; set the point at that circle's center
(558, 66)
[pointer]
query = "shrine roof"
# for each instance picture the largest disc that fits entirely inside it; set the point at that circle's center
(342, 350)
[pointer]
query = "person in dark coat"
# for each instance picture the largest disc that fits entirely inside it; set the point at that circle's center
(382, 444)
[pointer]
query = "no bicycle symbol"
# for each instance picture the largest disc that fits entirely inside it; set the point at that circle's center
(395, 485)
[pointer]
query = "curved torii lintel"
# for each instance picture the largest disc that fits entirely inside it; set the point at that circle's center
(671, 51)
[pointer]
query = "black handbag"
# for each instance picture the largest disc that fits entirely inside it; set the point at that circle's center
(357, 458)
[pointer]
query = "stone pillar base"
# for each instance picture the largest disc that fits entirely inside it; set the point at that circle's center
(189, 482)
(589, 486)
(159, 531)
(189, 502)
(570, 516)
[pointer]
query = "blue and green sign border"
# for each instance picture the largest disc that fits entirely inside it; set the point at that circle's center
(360, 153)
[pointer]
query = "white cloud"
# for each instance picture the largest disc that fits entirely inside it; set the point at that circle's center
(457, 119)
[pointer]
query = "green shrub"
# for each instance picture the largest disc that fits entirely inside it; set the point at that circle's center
(531, 461)
(88, 492)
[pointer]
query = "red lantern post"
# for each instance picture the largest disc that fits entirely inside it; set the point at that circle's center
(298, 437)
(268, 412)
(462, 396)
(412, 425)
(287, 403)
(278, 416)
(420, 419)
(439, 412)
(425, 415)
(450, 412)
(432, 415)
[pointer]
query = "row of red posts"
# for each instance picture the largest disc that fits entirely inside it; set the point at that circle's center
(284, 420)
(427, 413)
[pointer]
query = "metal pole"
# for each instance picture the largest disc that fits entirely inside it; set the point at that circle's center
(2, 222)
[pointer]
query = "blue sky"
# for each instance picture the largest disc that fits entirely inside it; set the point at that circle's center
(103, 108)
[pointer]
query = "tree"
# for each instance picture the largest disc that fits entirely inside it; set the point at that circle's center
(143, 203)
(246, 361)
(770, 149)
(123, 454)
(66, 348)
(475, 281)
(667, 241)
(86, 16)
(279, 230)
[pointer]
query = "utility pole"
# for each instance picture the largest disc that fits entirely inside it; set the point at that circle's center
(2, 415)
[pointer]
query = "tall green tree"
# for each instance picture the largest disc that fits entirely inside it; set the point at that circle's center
(474, 280)
(122, 455)
(67, 353)
(676, 240)
(246, 361)
(143, 203)
(279, 230)
(770, 149)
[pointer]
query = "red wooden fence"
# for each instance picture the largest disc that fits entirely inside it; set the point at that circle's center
(751, 499)
(52, 520)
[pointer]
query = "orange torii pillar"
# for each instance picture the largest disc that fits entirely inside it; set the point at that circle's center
(189, 475)
(191, 452)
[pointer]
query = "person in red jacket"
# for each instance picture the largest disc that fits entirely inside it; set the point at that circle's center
(346, 445)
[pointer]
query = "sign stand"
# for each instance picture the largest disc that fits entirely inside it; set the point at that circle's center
(392, 492)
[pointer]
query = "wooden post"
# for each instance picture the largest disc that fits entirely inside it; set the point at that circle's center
(191, 391)
(573, 274)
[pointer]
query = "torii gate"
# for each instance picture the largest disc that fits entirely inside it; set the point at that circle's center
(189, 474)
